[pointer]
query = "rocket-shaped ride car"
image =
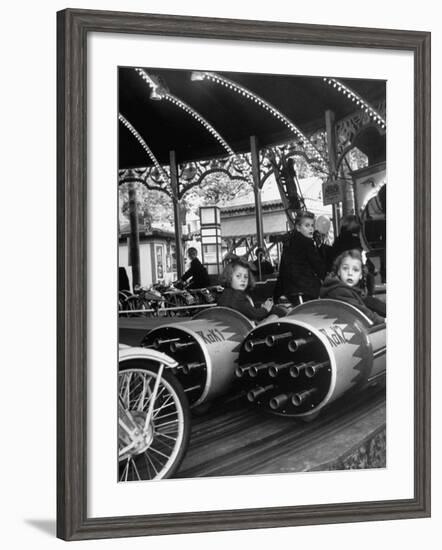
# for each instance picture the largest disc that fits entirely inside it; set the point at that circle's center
(320, 351)
(206, 350)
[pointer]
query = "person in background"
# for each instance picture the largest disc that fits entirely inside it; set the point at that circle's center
(262, 264)
(346, 283)
(302, 265)
(200, 277)
(237, 280)
(123, 279)
(349, 239)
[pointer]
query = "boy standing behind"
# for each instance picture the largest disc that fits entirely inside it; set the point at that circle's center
(302, 265)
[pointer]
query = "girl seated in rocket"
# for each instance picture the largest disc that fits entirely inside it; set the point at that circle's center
(237, 279)
(345, 283)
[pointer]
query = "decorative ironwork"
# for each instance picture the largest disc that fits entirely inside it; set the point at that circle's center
(282, 153)
(191, 174)
(146, 176)
(349, 127)
(237, 167)
(273, 160)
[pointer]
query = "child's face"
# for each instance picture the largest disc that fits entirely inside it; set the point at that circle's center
(240, 278)
(350, 271)
(306, 227)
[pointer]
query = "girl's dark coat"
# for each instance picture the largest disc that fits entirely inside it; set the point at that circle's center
(237, 299)
(334, 288)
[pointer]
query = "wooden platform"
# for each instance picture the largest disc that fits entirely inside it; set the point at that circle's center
(235, 439)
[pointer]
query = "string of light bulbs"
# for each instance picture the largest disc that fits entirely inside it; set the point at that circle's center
(356, 98)
(144, 145)
(241, 90)
(161, 93)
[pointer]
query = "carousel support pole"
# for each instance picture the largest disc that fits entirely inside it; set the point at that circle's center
(257, 190)
(134, 238)
(175, 184)
(331, 146)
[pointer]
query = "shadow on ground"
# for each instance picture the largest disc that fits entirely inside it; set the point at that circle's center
(47, 526)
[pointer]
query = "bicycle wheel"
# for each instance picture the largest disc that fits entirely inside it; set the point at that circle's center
(155, 450)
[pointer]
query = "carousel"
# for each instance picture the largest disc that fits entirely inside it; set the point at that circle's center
(203, 391)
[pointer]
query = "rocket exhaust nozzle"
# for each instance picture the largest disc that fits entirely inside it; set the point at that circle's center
(300, 398)
(297, 343)
(160, 341)
(274, 370)
(311, 370)
(272, 339)
(252, 395)
(297, 370)
(257, 369)
(279, 401)
(177, 346)
(192, 366)
(251, 344)
(241, 371)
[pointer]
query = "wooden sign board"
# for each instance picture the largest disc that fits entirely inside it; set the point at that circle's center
(332, 191)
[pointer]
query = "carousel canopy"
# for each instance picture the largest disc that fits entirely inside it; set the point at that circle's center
(201, 118)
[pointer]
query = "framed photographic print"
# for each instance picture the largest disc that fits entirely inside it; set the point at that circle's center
(236, 373)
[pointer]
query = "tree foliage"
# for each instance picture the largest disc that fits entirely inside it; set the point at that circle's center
(156, 208)
(216, 189)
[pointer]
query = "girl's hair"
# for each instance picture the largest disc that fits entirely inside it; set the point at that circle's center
(350, 224)
(355, 254)
(302, 215)
(227, 274)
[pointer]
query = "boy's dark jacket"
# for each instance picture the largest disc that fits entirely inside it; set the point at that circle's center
(335, 289)
(302, 268)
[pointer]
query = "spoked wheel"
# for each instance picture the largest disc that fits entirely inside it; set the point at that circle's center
(153, 422)
(133, 304)
(123, 306)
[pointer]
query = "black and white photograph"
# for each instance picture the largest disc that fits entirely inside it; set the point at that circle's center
(202, 227)
(252, 273)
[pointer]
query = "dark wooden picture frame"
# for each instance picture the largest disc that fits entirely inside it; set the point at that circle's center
(73, 27)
